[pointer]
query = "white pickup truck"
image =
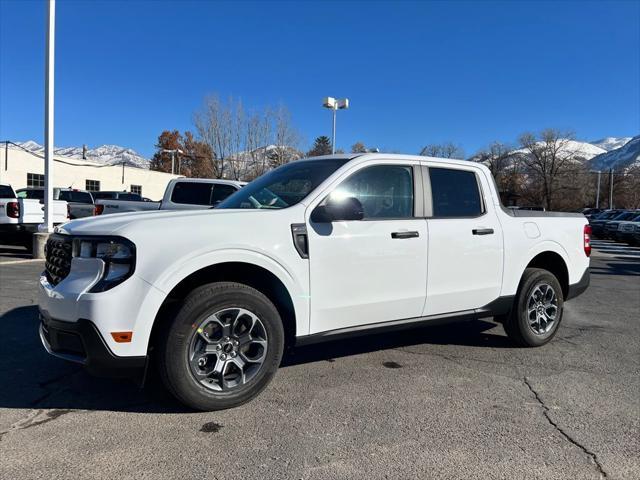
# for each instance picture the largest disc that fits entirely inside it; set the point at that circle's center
(79, 202)
(20, 217)
(180, 194)
(315, 250)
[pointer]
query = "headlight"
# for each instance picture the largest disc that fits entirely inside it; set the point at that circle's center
(118, 255)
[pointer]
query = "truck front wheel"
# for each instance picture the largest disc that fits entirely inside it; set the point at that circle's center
(222, 348)
(537, 310)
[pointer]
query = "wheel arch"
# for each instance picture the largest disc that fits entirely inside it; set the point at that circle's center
(256, 276)
(554, 263)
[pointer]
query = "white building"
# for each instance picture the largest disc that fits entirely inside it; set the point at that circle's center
(21, 168)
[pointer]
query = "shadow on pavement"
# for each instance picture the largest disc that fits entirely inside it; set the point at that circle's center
(8, 252)
(626, 266)
(32, 379)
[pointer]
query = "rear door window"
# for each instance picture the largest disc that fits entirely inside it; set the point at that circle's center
(455, 193)
(192, 193)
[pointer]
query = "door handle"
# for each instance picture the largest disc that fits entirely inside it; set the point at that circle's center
(482, 231)
(402, 235)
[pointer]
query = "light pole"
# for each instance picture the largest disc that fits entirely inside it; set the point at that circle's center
(173, 157)
(47, 226)
(598, 188)
(335, 104)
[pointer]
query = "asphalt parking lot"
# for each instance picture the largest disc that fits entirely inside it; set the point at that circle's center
(441, 402)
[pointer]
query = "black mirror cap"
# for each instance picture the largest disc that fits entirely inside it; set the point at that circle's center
(348, 208)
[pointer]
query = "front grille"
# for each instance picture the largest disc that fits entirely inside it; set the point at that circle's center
(58, 253)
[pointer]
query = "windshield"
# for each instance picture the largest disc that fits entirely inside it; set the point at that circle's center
(624, 216)
(284, 186)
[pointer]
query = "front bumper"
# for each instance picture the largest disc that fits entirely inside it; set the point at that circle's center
(80, 342)
(579, 288)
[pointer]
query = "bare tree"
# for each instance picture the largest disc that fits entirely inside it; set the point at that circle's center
(546, 157)
(245, 145)
(211, 124)
(286, 139)
(443, 150)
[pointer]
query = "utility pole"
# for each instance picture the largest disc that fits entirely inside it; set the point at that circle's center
(611, 188)
(47, 226)
(599, 172)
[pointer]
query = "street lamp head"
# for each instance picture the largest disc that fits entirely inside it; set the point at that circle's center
(343, 103)
(329, 102)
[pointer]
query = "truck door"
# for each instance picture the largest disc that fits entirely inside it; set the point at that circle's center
(465, 241)
(375, 269)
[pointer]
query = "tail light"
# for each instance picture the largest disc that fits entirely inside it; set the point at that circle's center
(68, 212)
(13, 210)
(98, 209)
(587, 240)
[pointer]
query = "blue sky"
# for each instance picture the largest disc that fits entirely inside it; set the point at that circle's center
(416, 72)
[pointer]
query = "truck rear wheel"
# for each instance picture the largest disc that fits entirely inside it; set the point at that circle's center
(222, 348)
(537, 310)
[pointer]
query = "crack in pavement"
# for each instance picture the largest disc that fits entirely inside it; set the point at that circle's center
(37, 417)
(545, 411)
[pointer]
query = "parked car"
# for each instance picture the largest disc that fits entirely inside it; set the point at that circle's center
(20, 217)
(635, 238)
(626, 229)
(611, 226)
(314, 250)
(591, 212)
(79, 202)
(180, 194)
(597, 222)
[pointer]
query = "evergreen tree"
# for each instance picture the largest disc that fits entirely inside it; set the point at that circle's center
(321, 146)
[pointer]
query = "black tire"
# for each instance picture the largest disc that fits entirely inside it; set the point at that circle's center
(175, 345)
(517, 324)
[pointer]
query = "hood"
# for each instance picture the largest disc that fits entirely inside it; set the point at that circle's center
(116, 224)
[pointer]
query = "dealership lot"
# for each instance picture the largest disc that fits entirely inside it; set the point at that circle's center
(442, 402)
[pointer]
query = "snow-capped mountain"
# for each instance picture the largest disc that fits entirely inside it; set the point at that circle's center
(611, 143)
(622, 158)
(574, 149)
(105, 154)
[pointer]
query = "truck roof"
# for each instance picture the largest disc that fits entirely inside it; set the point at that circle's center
(393, 156)
(209, 180)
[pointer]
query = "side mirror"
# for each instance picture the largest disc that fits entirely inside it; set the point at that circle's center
(348, 208)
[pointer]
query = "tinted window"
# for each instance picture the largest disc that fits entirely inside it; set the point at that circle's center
(220, 192)
(29, 193)
(103, 195)
(455, 193)
(284, 186)
(77, 197)
(624, 216)
(385, 191)
(192, 193)
(130, 196)
(6, 192)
